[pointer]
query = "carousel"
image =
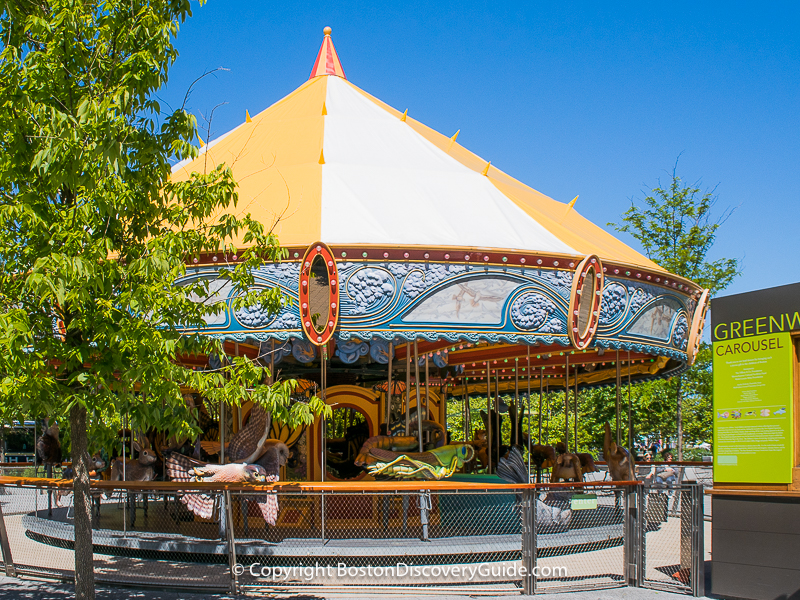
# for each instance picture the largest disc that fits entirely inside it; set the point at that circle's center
(418, 270)
(421, 276)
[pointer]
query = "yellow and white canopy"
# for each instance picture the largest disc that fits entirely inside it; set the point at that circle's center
(330, 162)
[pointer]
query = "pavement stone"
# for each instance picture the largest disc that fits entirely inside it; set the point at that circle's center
(32, 589)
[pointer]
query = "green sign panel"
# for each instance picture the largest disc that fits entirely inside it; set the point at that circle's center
(753, 421)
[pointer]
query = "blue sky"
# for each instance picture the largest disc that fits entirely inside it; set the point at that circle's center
(591, 99)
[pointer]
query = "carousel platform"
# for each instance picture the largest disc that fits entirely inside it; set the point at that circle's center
(158, 536)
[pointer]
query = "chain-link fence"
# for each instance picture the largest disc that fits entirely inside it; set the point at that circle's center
(393, 536)
(672, 548)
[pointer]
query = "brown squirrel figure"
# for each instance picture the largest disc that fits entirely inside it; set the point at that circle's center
(567, 466)
(620, 463)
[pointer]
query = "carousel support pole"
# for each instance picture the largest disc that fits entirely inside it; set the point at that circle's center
(443, 409)
(408, 388)
(566, 403)
(630, 417)
(541, 397)
(467, 411)
(488, 419)
(389, 388)
(575, 414)
(530, 415)
(427, 388)
(497, 412)
(617, 403)
(323, 386)
(515, 432)
(419, 397)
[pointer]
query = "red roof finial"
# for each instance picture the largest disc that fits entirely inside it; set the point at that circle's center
(327, 62)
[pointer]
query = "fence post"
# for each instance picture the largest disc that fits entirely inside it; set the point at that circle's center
(633, 534)
(528, 506)
(698, 540)
(5, 546)
(228, 512)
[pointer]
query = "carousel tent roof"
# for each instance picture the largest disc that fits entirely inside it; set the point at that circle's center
(330, 162)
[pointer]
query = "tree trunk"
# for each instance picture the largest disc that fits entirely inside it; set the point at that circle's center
(84, 564)
(679, 400)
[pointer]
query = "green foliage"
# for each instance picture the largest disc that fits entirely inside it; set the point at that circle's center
(676, 231)
(94, 234)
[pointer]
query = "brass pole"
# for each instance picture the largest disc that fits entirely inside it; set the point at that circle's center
(541, 394)
(389, 388)
(530, 433)
(617, 404)
(488, 418)
(408, 387)
(467, 411)
(630, 418)
(575, 414)
(497, 412)
(515, 433)
(419, 397)
(427, 388)
(566, 403)
(323, 386)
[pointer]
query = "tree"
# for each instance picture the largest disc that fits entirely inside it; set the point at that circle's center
(93, 234)
(676, 229)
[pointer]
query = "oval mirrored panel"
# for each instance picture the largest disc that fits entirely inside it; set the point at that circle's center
(318, 294)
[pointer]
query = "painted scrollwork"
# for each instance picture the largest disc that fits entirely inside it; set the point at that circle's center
(274, 350)
(560, 280)
(681, 333)
(639, 297)
(350, 352)
(379, 351)
(533, 311)
(303, 351)
(369, 288)
(422, 278)
(614, 299)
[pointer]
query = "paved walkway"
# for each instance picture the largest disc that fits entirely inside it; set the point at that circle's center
(28, 589)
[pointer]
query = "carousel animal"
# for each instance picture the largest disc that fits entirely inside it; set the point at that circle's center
(435, 464)
(479, 442)
(512, 469)
(276, 455)
(542, 457)
(395, 443)
(48, 448)
(139, 469)
(185, 469)
(587, 460)
(246, 444)
(567, 468)
(621, 465)
(431, 430)
(587, 463)
(99, 469)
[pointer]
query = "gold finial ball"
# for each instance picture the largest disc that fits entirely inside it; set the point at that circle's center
(327, 31)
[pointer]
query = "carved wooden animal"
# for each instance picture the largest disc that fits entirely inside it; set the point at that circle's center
(542, 457)
(621, 465)
(48, 446)
(567, 468)
(276, 455)
(246, 444)
(587, 462)
(139, 469)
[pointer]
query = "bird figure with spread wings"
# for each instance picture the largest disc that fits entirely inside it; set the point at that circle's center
(183, 468)
(247, 444)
